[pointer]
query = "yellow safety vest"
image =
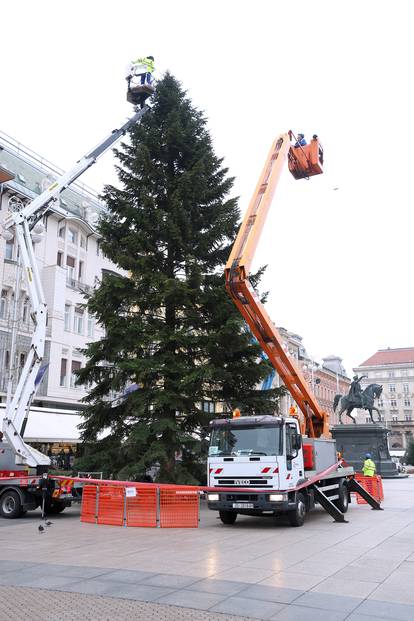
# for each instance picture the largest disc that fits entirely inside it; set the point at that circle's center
(145, 61)
(368, 468)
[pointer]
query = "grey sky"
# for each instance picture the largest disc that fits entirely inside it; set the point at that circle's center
(342, 70)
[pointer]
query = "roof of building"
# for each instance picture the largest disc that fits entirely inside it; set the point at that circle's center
(33, 174)
(402, 355)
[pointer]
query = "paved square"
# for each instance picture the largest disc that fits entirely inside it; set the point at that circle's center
(360, 571)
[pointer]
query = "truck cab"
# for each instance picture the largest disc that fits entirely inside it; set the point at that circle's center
(257, 452)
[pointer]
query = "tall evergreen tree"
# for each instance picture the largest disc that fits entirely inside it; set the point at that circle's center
(170, 327)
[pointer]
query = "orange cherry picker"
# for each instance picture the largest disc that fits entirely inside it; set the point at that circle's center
(275, 465)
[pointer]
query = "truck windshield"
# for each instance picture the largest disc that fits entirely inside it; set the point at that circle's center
(259, 440)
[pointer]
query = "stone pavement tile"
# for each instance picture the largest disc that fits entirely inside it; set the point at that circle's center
(357, 617)
(297, 613)
(385, 610)
(324, 570)
(271, 594)
(221, 587)
(49, 582)
(125, 575)
(291, 579)
(192, 599)
(375, 573)
(118, 589)
(80, 572)
(403, 592)
(257, 609)
(343, 586)
(7, 566)
(170, 581)
(325, 601)
(244, 574)
(410, 558)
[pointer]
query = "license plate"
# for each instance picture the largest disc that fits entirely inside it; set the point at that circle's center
(243, 505)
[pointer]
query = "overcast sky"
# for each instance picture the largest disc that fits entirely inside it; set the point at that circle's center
(340, 260)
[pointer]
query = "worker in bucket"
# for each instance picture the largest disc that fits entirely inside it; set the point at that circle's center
(300, 142)
(143, 68)
(369, 467)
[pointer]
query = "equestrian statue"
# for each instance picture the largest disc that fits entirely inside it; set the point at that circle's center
(358, 398)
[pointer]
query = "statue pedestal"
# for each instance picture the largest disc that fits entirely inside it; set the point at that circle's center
(354, 441)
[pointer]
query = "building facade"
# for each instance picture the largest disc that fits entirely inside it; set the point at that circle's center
(70, 263)
(326, 379)
(394, 370)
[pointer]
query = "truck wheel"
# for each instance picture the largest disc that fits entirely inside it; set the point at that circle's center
(228, 517)
(298, 515)
(11, 505)
(54, 508)
(343, 500)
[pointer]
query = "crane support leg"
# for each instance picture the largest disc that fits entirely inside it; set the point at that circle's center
(354, 486)
(324, 501)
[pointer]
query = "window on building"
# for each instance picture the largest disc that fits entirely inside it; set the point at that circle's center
(59, 259)
(4, 304)
(25, 310)
(394, 414)
(394, 418)
(407, 402)
(72, 236)
(91, 325)
(209, 407)
(82, 242)
(391, 373)
(392, 387)
(63, 371)
(61, 232)
(6, 359)
(67, 317)
(9, 249)
(393, 403)
(76, 365)
(80, 270)
(97, 247)
(407, 414)
(78, 320)
(404, 372)
(70, 263)
(367, 419)
(380, 403)
(406, 389)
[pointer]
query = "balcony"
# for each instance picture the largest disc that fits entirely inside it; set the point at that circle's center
(77, 285)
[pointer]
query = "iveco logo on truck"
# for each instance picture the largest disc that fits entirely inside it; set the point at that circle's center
(242, 482)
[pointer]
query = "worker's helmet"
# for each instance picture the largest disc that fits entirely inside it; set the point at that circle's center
(355, 377)
(150, 57)
(301, 135)
(368, 455)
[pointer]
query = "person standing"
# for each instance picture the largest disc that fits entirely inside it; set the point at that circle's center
(148, 63)
(369, 466)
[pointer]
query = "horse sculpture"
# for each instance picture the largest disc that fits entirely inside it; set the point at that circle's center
(365, 402)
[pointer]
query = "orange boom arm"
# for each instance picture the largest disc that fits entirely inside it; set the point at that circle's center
(303, 162)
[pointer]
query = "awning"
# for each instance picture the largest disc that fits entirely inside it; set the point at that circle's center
(52, 426)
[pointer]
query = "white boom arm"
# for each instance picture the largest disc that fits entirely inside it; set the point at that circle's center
(18, 408)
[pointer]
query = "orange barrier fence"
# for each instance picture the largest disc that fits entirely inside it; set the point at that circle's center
(373, 485)
(132, 505)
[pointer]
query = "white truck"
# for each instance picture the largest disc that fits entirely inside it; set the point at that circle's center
(269, 465)
(261, 465)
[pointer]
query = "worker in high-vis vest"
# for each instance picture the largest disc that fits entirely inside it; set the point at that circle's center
(147, 64)
(369, 467)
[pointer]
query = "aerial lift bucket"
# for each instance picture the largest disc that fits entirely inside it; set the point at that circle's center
(306, 161)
